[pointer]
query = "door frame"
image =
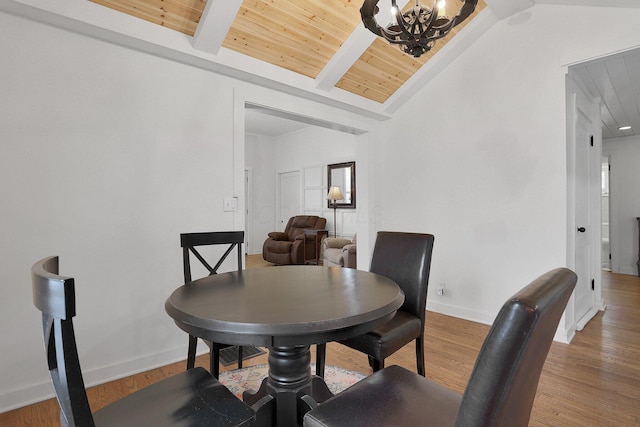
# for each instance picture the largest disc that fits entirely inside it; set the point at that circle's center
(248, 208)
(608, 210)
(578, 103)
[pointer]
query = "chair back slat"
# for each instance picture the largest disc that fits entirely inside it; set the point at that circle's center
(204, 262)
(504, 381)
(54, 296)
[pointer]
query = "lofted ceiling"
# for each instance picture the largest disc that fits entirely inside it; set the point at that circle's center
(319, 49)
(299, 36)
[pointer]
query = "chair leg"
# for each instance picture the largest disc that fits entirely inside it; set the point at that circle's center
(376, 364)
(321, 354)
(191, 353)
(239, 357)
(420, 355)
(214, 360)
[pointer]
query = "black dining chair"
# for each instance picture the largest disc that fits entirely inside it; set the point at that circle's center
(190, 398)
(406, 259)
(189, 243)
(502, 385)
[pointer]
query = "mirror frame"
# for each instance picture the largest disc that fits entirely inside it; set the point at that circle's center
(351, 166)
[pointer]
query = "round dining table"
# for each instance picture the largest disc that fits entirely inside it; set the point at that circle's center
(286, 309)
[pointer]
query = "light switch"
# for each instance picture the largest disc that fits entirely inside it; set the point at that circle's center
(230, 204)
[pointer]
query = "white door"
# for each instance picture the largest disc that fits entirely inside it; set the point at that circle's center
(584, 298)
(583, 121)
(288, 197)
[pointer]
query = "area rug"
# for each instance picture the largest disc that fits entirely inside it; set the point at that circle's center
(229, 355)
(250, 378)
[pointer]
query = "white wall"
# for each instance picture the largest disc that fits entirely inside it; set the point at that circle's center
(106, 155)
(478, 157)
(625, 202)
(318, 147)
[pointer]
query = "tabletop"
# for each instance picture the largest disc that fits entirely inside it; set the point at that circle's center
(284, 305)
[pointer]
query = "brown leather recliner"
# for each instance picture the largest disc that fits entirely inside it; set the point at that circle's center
(288, 246)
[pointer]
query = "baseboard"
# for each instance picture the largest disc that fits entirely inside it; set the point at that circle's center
(487, 319)
(631, 271)
(35, 393)
(563, 336)
(461, 313)
(581, 323)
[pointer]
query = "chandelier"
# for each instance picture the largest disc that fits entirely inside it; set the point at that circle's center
(417, 29)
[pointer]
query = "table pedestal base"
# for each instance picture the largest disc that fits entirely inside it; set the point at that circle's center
(289, 391)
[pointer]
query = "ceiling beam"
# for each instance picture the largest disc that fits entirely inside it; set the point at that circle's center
(350, 51)
(357, 43)
(217, 17)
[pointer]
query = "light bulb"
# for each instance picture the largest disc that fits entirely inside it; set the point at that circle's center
(395, 13)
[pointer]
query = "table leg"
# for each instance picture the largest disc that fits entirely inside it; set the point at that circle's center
(289, 381)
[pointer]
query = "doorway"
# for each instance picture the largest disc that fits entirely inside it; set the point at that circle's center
(274, 141)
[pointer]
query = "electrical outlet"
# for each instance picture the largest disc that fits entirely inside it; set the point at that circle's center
(440, 287)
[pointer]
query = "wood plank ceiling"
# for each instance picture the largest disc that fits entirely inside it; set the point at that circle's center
(300, 36)
(616, 81)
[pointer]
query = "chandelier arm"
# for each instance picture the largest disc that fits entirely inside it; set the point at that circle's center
(434, 37)
(403, 27)
(447, 26)
(429, 26)
(392, 37)
(367, 12)
(434, 16)
(467, 9)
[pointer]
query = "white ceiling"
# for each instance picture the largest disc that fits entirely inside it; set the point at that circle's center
(615, 79)
(259, 123)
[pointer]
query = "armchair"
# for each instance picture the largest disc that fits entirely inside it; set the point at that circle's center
(339, 252)
(288, 246)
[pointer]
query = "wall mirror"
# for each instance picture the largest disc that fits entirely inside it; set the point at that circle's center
(343, 175)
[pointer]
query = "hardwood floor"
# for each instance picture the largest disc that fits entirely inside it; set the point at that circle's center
(594, 381)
